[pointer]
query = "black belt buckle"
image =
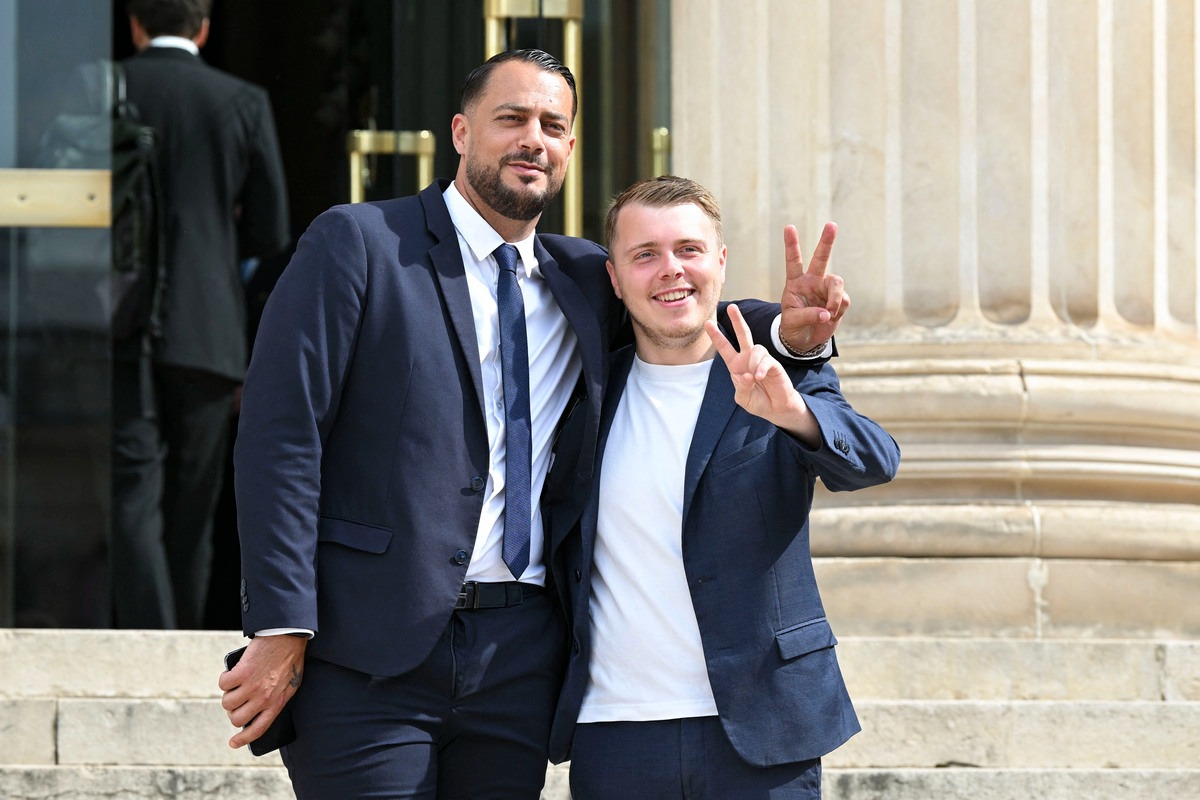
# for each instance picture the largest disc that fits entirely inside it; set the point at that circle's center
(474, 595)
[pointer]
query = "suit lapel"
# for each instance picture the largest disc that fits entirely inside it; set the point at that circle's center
(715, 410)
(452, 277)
(619, 366)
(579, 314)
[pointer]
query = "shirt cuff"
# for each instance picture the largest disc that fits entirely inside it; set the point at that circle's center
(285, 632)
(826, 350)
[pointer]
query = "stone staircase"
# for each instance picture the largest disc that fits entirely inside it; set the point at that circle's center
(128, 714)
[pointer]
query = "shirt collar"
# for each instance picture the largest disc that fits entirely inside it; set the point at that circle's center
(481, 237)
(175, 41)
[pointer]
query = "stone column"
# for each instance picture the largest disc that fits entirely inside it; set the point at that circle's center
(1015, 187)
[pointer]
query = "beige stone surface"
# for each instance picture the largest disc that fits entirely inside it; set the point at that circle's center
(1181, 679)
(137, 732)
(1011, 598)
(1016, 669)
(96, 663)
(1010, 784)
(1044, 734)
(145, 783)
(27, 731)
(1122, 599)
(928, 597)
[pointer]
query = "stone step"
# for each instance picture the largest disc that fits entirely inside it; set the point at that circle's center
(186, 664)
(896, 734)
(903, 668)
(103, 663)
(1039, 734)
(1010, 784)
(1050, 598)
(239, 783)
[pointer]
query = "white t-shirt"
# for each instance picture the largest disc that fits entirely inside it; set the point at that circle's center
(647, 660)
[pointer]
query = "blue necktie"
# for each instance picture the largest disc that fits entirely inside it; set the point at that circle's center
(514, 361)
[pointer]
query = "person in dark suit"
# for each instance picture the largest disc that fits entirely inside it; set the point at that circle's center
(392, 448)
(225, 199)
(703, 664)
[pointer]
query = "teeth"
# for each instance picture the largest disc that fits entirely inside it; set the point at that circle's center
(678, 294)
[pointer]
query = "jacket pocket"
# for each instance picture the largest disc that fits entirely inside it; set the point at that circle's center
(740, 456)
(368, 538)
(807, 637)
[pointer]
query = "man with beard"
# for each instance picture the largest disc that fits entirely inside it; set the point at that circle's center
(397, 425)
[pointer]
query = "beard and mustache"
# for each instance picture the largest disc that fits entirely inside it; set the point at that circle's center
(506, 201)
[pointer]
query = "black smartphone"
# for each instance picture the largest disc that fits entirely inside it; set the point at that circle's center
(280, 732)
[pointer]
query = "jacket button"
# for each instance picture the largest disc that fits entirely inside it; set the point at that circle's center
(460, 558)
(575, 647)
(578, 576)
(477, 484)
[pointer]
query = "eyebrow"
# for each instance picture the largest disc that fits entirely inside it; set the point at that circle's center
(554, 115)
(676, 243)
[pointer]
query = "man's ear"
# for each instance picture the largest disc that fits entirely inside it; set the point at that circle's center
(458, 133)
(137, 32)
(202, 35)
(612, 277)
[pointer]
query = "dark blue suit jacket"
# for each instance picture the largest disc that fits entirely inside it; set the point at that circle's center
(747, 494)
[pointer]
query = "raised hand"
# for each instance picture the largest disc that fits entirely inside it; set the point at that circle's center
(761, 385)
(814, 300)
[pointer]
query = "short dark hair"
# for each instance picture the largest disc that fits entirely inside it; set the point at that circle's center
(170, 17)
(476, 83)
(663, 192)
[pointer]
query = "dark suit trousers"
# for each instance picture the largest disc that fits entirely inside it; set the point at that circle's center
(674, 759)
(168, 462)
(470, 723)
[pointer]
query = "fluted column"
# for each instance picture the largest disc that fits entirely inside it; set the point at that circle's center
(1015, 185)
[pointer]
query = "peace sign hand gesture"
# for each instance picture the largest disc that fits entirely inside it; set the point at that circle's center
(761, 385)
(814, 300)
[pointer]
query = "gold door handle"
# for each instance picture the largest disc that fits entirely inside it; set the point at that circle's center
(422, 144)
(660, 152)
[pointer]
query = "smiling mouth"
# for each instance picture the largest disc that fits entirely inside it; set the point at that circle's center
(674, 294)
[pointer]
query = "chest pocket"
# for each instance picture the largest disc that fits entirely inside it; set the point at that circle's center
(740, 456)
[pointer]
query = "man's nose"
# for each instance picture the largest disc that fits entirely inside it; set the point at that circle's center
(531, 136)
(672, 267)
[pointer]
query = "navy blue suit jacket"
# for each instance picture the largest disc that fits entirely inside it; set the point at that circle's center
(747, 493)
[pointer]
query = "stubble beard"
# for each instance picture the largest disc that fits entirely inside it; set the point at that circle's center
(503, 199)
(675, 338)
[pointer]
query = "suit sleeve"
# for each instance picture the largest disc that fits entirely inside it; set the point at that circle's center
(263, 228)
(302, 354)
(760, 316)
(855, 452)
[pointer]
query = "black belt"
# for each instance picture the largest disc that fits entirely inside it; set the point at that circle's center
(495, 595)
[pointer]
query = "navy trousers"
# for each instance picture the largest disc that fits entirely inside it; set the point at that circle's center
(471, 723)
(678, 759)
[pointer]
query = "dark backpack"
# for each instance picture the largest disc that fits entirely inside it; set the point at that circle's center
(111, 135)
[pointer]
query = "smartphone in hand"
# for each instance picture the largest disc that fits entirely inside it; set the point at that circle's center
(281, 732)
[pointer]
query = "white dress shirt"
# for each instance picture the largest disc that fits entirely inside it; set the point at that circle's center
(554, 367)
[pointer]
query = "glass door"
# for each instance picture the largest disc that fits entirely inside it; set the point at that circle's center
(54, 339)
